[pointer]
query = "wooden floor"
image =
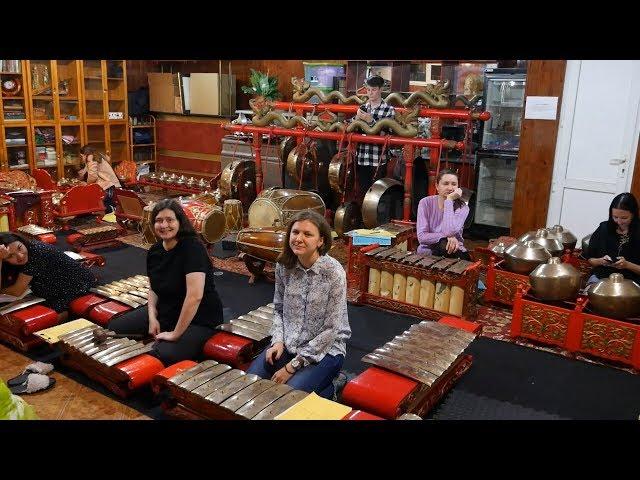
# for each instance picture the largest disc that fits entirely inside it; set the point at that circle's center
(68, 399)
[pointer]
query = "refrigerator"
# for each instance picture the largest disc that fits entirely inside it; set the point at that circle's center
(497, 155)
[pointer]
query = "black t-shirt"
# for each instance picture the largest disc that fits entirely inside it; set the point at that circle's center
(603, 242)
(167, 272)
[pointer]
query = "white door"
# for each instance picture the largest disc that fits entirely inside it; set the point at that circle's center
(597, 141)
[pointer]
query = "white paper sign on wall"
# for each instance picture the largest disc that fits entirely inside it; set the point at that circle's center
(541, 108)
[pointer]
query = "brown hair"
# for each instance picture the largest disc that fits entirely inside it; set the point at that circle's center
(457, 203)
(186, 228)
(287, 257)
(98, 156)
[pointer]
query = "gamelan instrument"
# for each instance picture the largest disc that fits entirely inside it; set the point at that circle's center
(260, 245)
(275, 206)
(347, 217)
(96, 237)
(555, 280)
(233, 214)
(147, 229)
(242, 338)
(238, 180)
(412, 372)
(417, 284)
(615, 297)
(217, 391)
(21, 318)
(121, 364)
(36, 232)
(382, 202)
(207, 220)
(111, 299)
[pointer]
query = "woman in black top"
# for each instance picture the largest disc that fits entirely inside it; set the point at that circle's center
(184, 307)
(48, 271)
(615, 245)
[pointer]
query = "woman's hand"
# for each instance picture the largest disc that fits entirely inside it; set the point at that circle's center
(168, 336)
(154, 326)
(621, 264)
(282, 376)
(457, 193)
(274, 352)
(453, 245)
(4, 252)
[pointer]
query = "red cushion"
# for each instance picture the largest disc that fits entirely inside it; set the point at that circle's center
(378, 391)
(103, 313)
(473, 327)
(360, 415)
(36, 317)
(140, 369)
(228, 348)
(80, 306)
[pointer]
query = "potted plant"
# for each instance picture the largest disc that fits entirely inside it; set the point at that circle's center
(262, 86)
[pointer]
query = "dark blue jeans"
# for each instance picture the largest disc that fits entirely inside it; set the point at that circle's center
(317, 377)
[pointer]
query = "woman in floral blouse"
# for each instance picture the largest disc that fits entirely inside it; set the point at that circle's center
(310, 326)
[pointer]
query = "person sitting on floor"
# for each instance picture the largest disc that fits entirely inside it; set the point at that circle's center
(97, 169)
(184, 307)
(48, 271)
(441, 219)
(310, 325)
(615, 245)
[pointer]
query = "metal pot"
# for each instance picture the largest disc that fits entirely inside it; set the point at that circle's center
(615, 297)
(191, 182)
(553, 245)
(499, 249)
(524, 257)
(528, 236)
(567, 238)
(555, 280)
(181, 180)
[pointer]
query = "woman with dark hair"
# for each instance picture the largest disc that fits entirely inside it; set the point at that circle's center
(441, 219)
(97, 169)
(615, 245)
(184, 307)
(310, 325)
(49, 272)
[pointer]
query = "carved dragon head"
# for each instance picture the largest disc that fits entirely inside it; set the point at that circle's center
(260, 106)
(300, 85)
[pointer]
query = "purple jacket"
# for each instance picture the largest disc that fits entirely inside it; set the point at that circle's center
(434, 224)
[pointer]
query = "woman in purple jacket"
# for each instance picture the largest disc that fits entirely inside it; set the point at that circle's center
(441, 219)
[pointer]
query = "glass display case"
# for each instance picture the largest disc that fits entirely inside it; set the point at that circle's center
(504, 98)
(496, 176)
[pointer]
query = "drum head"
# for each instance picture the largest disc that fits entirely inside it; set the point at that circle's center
(264, 213)
(214, 226)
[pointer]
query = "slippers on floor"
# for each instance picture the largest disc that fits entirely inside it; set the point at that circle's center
(37, 367)
(35, 382)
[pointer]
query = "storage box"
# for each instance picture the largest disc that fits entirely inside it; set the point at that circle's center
(212, 94)
(165, 92)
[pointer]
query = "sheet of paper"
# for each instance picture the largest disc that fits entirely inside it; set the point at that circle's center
(314, 407)
(52, 334)
(541, 108)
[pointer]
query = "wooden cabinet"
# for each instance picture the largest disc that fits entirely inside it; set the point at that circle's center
(61, 105)
(105, 107)
(15, 146)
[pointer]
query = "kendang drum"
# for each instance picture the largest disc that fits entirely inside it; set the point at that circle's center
(275, 206)
(207, 220)
(233, 215)
(264, 243)
(147, 228)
